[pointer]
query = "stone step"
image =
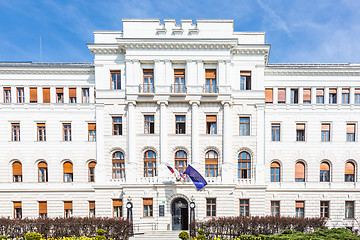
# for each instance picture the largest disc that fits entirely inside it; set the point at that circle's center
(159, 235)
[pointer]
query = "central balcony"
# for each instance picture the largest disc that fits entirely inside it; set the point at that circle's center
(178, 88)
(147, 89)
(210, 89)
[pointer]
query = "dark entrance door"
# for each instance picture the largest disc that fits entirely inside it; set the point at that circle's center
(180, 214)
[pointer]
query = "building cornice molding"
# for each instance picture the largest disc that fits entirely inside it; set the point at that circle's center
(327, 72)
(105, 49)
(252, 50)
(47, 71)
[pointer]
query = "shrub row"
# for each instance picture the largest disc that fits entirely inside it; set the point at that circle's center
(234, 227)
(116, 228)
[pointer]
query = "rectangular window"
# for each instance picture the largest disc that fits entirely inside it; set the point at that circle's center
(43, 210)
(15, 132)
(7, 95)
(46, 95)
(211, 207)
(148, 78)
(117, 125)
(180, 126)
(41, 132)
(72, 95)
(66, 132)
(275, 132)
(148, 207)
(325, 132)
(20, 95)
(68, 209)
(85, 95)
(357, 96)
(300, 132)
(149, 124)
(332, 95)
(211, 124)
(91, 132)
(244, 207)
(281, 95)
(92, 209)
(179, 81)
(307, 95)
(350, 132)
(59, 95)
(345, 96)
(117, 208)
(324, 209)
(268, 95)
(17, 210)
(33, 95)
(349, 209)
(300, 208)
(294, 96)
(115, 79)
(275, 208)
(244, 126)
(245, 80)
(320, 96)
(210, 81)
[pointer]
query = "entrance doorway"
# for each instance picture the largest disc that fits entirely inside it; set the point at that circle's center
(180, 214)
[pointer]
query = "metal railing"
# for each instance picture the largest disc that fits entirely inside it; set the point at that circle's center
(178, 88)
(210, 88)
(145, 226)
(146, 88)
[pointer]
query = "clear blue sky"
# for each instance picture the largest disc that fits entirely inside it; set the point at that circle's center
(298, 30)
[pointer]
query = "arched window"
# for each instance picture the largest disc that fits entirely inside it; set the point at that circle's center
(68, 172)
(211, 164)
(299, 172)
(275, 172)
(118, 165)
(149, 164)
(180, 161)
(244, 165)
(324, 172)
(43, 172)
(349, 172)
(92, 171)
(17, 172)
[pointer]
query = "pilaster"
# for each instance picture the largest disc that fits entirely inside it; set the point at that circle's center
(163, 137)
(259, 162)
(195, 133)
(130, 164)
(227, 166)
(100, 171)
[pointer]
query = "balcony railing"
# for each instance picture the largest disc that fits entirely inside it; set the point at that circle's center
(178, 88)
(146, 88)
(210, 88)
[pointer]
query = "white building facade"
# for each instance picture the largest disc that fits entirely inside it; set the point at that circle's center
(270, 139)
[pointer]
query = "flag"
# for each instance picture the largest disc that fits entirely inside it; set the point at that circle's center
(179, 174)
(170, 168)
(196, 177)
(175, 172)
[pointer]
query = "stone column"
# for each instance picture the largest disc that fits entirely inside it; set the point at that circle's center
(195, 133)
(227, 166)
(100, 169)
(301, 95)
(352, 95)
(259, 162)
(130, 162)
(326, 95)
(339, 95)
(163, 139)
(313, 95)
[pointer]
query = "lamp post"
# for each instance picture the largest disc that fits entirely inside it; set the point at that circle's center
(129, 215)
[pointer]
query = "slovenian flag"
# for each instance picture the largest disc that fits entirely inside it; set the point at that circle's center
(170, 168)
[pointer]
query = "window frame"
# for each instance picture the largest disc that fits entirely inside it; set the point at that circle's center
(245, 80)
(41, 209)
(17, 205)
(148, 81)
(72, 95)
(15, 132)
(45, 167)
(119, 125)
(211, 126)
(68, 175)
(150, 128)
(275, 176)
(350, 177)
(92, 132)
(7, 94)
(59, 95)
(178, 126)
(20, 95)
(211, 164)
(91, 176)
(350, 137)
(298, 212)
(244, 207)
(117, 84)
(210, 207)
(41, 132)
(325, 175)
(33, 95)
(247, 168)
(297, 179)
(300, 133)
(148, 209)
(178, 159)
(118, 172)
(147, 160)
(210, 80)
(66, 132)
(244, 127)
(179, 75)
(92, 211)
(349, 209)
(324, 209)
(275, 208)
(17, 171)
(275, 132)
(117, 207)
(294, 96)
(325, 134)
(68, 212)
(85, 95)
(320, 96)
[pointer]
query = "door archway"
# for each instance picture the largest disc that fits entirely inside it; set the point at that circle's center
(180, 214)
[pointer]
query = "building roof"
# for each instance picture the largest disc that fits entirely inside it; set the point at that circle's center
(47, 65)
(313, 65)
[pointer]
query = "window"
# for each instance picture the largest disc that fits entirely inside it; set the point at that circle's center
(115, 79)
(68, 209)
(245, 80)
(349, 172)
(149, 164)
(211, 124)
(350, 132)
(59, 95)
(268, 95)
(148, 76)
(332, 95)
(72, 95)
(92, 171)
(7, 95)
(180, 127)
(149, 124)
(148, 207)
(117, 208)
(211, 207)
(349, 209)
(324, 172)
(68, 172)
(41, 132)
(294, 96)
(345, 96)
(91, 132)
(275, 132)
(85, 95)
(211, 164)
(324, 209)
(307, 95)
(244, 207)
(66, 132)
(179, 78)
(33, 95)
(15, 132)
(181, 161)
(300, 208)
(275, 208)
(300, 132)
(244, 126)
(43, 172)
(244, 165)
(92, 209)
(117, 125)
(17, 210)
(281, 95)
(357, 96)
(320, 96)
(325, 132)
(46, 95)
(118, 165)
(20, 95)
(43, 210)
(210, 81)
(17, 172)
(299, 172)
(275, 172)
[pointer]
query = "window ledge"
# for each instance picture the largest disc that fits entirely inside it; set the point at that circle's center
(147, 94)
(210, 94)
(178, 94)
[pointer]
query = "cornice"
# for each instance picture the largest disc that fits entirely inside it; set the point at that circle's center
(47, 71)
(327, 72)
(251, 51)
(105, 49)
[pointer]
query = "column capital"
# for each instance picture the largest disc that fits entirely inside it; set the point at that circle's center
(128, 60)
(199, 61)
(167, 61)
(227, 102)
(162, 102)
(194, 102)
(130, 102)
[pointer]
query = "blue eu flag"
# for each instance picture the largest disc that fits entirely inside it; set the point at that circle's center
(196, 177)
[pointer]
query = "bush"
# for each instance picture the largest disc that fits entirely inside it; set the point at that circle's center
(33, 236)
(100, 232)
(184, 235)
